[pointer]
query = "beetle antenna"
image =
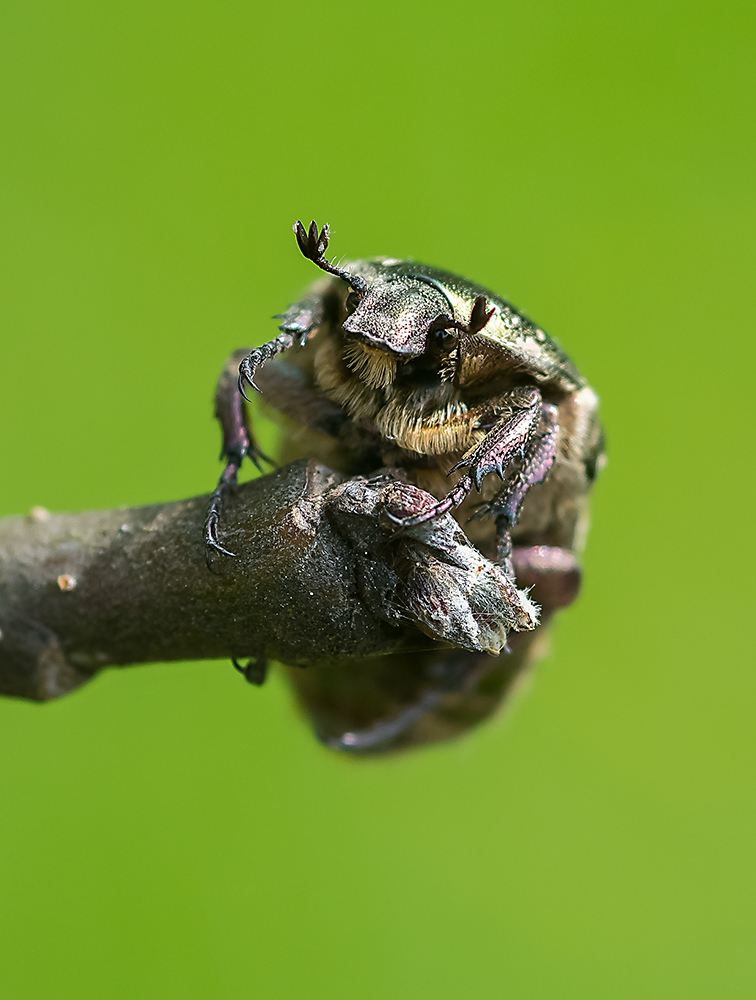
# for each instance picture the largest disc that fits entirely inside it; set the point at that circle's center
(314, 244)
(478, 315)
(478, 319)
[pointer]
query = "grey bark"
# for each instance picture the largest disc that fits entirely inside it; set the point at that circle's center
(321, 579)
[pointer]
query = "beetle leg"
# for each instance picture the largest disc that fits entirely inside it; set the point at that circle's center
(238, 444)
(452, 499)
(551, 571)
(259, 356)
(535, 463)
(455, 674)
(387, 729)
(504, 546)
(300, 321)
(509, 437)
(255, 671)
(303, 317)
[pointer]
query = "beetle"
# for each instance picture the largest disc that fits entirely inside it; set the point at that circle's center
(407, 366)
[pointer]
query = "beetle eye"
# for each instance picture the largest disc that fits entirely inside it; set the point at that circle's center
(352, 301)
(444, 338)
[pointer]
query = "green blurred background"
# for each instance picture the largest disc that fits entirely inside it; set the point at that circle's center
(170, 832)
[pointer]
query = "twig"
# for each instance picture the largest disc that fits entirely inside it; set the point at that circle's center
(322, 579)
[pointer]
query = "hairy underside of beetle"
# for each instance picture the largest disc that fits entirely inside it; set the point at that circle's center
(423, 417)
(425, 428)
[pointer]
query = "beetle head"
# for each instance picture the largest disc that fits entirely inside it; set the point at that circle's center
(393, 312)
(396, 314)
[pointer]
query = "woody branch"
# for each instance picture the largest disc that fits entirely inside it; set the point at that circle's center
(321, 577)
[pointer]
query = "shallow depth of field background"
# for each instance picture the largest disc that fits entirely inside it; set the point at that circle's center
(169, 832)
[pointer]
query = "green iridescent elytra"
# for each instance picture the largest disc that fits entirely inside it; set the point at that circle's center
(508, 328)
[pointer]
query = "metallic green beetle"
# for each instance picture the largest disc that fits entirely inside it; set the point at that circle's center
(406, 366)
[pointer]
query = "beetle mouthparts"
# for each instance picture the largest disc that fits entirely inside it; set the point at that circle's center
(374, 365)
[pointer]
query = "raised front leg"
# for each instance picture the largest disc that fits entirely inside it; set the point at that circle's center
(300, 322)
(238, 444)
(509, 438)
(255, 359)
